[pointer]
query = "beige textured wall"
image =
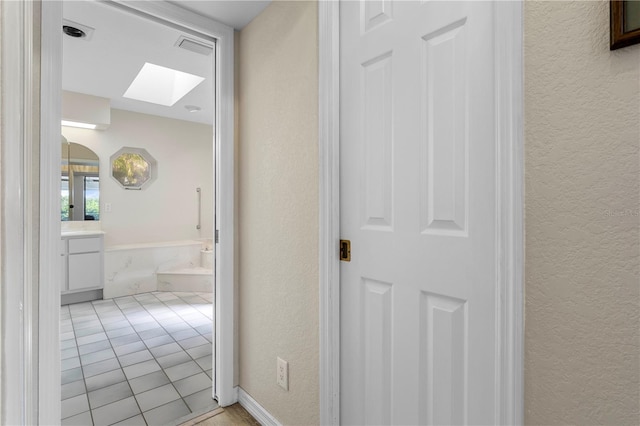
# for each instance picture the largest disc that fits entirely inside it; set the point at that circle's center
(582, 115)
(278, 209)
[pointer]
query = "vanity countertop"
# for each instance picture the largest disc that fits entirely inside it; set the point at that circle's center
(80, 233)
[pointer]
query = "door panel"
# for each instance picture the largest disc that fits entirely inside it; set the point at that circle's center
(375, 104)
(418, 320)
(377, 305)
(443, 344)
(443, 159)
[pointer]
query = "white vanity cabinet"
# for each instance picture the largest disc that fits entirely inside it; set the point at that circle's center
(82, 262)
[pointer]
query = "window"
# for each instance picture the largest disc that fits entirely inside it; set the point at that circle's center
(91, 198)
(64, 198)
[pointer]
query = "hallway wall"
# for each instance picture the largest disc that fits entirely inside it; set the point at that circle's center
(582, 115)
(277, 73)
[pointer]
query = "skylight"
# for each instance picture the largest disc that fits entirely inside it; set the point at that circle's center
(161, 85)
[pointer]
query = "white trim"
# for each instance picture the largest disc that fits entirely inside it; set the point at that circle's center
(509, 206)
(224, 343)
(50, 113)
(19, 211)
(256, 410)
(329, 215)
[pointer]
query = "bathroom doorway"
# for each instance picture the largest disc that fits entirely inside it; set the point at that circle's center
(142, 352)
(31, 195)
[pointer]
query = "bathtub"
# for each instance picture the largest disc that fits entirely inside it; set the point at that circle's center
(135, 268)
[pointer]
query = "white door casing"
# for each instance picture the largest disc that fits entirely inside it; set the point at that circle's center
(21, 224)
(429, 134)
(30, 363)
(329, 214)
(224, 388)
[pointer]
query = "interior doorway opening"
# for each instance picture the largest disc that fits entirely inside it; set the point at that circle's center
(31, 204)
(138, 343)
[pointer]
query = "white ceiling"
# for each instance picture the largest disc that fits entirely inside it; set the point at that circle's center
(234, 13)
(106, 63)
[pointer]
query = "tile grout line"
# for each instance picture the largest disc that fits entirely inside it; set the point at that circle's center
(184, 350)
(126, 379)
(152, 354)
(142, 306)
(84, 379)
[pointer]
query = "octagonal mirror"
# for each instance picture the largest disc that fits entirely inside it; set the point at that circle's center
(133, 168)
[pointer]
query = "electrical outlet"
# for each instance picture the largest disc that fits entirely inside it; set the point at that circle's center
(283, 374)
(107, 207)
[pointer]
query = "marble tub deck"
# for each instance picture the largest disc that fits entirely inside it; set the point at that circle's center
(139, 268)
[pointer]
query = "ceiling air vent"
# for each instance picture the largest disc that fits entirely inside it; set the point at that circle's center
(194, 46)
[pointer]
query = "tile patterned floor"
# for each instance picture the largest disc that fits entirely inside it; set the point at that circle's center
(136, 360)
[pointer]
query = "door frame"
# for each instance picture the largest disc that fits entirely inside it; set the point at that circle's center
(19, 203)
(329, 205)
(224, 173)
(30, 45)
(509, 238)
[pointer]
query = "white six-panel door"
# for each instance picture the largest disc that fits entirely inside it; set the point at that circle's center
(418, 202)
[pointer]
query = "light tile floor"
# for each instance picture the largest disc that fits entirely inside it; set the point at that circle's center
(136, 360)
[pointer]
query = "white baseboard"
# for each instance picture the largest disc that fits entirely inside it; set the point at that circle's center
(256, 410)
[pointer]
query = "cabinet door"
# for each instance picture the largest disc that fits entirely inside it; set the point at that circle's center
(85, 271)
